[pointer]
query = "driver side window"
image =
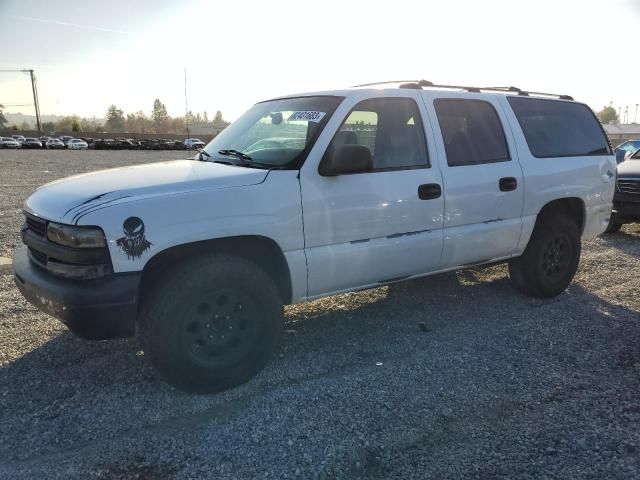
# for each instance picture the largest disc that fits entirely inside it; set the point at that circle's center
(390, 128)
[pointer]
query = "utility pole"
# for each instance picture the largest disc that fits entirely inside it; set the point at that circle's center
(635, 116)
(35, 99)
(34, 89)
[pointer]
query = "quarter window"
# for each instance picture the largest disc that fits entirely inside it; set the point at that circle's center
(390, 128)
(471, 132)
(556, 128)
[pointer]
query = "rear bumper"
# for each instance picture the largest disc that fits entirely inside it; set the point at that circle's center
(97, 309)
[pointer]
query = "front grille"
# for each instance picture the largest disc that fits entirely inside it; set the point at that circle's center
(629, 185)
(37, 226)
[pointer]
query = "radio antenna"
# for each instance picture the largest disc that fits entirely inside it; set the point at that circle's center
(186, 110)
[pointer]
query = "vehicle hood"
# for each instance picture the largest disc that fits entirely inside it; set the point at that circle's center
(69, 199)
(629, 168)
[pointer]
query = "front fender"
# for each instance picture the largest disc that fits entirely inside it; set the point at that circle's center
(270, 209)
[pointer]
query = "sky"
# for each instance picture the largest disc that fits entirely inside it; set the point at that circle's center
(90, 54)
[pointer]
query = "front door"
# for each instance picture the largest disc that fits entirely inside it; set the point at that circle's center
(382, 223)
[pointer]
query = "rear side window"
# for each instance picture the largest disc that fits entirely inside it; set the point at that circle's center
(471, 131)
(559, 129)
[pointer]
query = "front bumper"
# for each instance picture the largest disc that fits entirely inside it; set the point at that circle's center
(97, 309)
(626, 207)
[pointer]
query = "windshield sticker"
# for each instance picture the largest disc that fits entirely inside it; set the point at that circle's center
(307, 116)
(134, 243)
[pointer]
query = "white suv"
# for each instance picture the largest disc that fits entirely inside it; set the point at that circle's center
(384, 183)
(193, 143)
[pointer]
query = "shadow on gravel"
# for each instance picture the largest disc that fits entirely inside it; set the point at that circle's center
(63, 394)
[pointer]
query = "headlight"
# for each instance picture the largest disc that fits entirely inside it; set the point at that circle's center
(78, 237)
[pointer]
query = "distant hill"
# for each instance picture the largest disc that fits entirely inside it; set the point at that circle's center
(19, 118)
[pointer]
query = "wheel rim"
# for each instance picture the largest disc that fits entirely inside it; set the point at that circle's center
(556, 257)
(219, 328)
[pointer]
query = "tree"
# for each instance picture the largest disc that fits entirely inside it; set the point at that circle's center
(90, 125)
(26, 126)
(218, 118)
(115, 119)
(205, 117)
(160, 116)
(75, 125)
(138, 122)
(48, 127)
(65, 124)
(3, 120)
(608, 114)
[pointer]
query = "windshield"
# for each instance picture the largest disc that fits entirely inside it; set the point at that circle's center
(630, 146)
(277, 132)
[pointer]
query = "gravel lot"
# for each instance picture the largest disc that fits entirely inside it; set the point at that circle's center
(454, 376)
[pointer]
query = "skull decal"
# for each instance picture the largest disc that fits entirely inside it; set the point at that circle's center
(134, 243)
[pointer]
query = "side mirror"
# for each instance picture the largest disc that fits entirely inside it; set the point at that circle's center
(346, 159)
(620, 154)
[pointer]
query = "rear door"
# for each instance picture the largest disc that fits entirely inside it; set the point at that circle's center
(482, 178)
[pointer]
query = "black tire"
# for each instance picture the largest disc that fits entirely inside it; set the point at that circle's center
(550, 261)
(211, 323)
(614, 225)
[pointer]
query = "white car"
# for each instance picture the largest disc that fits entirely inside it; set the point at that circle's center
(77, 144)
(9, 142)
(192, 143)
(392, 182)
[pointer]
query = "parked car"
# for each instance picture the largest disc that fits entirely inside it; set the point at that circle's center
(54, 143)
(126, 144)
(199, 256)
(18, 138)
(277, 143)
(104, 144)
(149, 144)
(65, 139)
(9, 142)
(625, 149)
(626, 200)
(31, 143)
(193, 143)
(77, 144)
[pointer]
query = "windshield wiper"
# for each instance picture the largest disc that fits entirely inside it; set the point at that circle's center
(235, 153)
(202, 154)
(248, 161)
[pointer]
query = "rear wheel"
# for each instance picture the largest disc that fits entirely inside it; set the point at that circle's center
(550, 261)
(211, 324)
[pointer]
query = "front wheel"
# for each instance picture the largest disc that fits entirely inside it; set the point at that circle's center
(550, 261)
(211, 323)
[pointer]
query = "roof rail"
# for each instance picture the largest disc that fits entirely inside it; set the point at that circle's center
(422, 83)
(419, 84)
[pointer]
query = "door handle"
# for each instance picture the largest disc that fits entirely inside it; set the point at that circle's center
(508, 184)
(429, 191)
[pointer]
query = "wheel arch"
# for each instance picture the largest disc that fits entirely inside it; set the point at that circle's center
(261, 250)
(572, 206)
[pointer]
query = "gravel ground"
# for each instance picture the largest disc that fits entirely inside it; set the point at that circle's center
(454, 376)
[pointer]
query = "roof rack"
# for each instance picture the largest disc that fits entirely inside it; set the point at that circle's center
(419, 84)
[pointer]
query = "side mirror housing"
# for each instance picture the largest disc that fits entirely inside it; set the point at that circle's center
(620, 154)
(346, 159)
